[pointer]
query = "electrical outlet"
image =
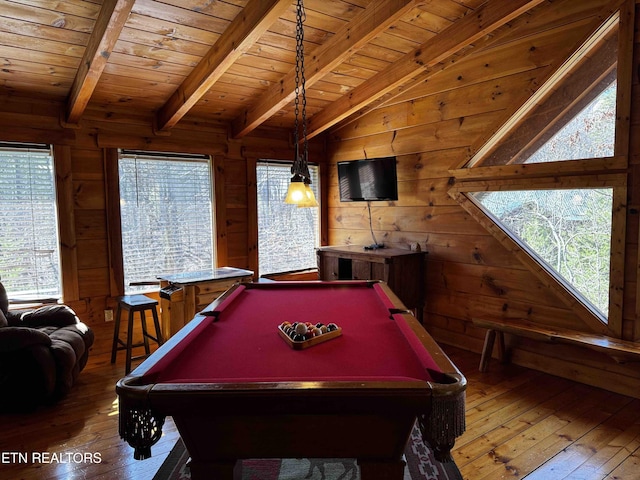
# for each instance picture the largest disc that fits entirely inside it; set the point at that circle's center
(108, 315)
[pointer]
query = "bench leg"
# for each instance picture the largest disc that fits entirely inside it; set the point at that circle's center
(489, 340)
(501, 350)
(487, 350)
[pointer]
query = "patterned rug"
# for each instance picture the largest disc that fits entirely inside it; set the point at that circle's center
(421, 465)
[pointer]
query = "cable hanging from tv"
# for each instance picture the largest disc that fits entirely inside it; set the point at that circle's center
(375, 245)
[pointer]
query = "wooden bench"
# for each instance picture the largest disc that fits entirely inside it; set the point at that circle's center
(621, 351)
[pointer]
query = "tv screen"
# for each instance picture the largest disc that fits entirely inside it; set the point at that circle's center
(370, 179)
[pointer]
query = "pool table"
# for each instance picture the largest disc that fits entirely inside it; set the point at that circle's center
(236, 389)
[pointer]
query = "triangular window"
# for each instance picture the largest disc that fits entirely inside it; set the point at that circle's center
(571, 117)
(538, 185)
(590, 134)
(568, 230)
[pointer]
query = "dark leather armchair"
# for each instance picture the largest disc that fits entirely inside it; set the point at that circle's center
(42, 351)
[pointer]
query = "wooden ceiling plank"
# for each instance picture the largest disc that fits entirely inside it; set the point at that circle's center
(9, 54)
(454, 38)
(244, 31)
(109, 24)
(371, 21)
(35, 32)
(160, 55)
(78, 8)
(183, 16)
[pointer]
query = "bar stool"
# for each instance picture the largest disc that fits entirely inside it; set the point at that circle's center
(141, 304)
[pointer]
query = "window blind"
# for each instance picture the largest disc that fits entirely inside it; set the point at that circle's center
(166, 215)
(29, 247)
(287, 235)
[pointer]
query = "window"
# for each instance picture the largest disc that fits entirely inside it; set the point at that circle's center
(590, 134)
(569, 230)
(29, 246)
(571, 117)
(287, 235)
(166, 215)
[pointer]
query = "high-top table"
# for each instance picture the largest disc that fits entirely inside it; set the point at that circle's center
(185, 294)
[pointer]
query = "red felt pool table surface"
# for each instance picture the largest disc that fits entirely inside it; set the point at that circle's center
(240, 341)
(236, 389)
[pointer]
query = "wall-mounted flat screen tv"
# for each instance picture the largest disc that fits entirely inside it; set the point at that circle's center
(368, 180)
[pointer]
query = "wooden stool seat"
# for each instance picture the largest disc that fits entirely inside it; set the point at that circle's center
(141, 304)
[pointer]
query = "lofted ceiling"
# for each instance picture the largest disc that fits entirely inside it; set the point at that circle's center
(231, 62)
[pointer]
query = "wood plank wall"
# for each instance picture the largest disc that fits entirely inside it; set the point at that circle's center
(469, 272)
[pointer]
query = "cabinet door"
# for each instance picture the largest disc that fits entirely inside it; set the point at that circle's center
(328, 268)
(380, 271)
(360, 270)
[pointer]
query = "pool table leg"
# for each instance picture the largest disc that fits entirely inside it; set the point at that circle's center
(372, 470)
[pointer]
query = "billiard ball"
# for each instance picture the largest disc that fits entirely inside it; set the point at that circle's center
(331, 327)
(301, 328)
(298, 337)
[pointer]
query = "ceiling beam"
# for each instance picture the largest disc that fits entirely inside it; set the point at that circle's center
(111, 19)
(490, 16)
(250, 24)
(355, 34)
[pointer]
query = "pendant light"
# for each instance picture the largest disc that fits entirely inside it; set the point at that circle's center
(300, 192)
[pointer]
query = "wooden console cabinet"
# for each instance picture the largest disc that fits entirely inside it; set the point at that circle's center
(402, 270)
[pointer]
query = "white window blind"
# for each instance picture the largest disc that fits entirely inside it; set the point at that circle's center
(166, 215)
(29, 248)
(287, 235)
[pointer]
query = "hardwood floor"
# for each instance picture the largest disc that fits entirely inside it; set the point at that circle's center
(520, 424)
(525, 424)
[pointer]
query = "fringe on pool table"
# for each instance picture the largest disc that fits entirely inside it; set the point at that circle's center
(444, 423)
(420, 460)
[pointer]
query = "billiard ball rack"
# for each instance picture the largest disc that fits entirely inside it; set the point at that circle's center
(308, 342)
